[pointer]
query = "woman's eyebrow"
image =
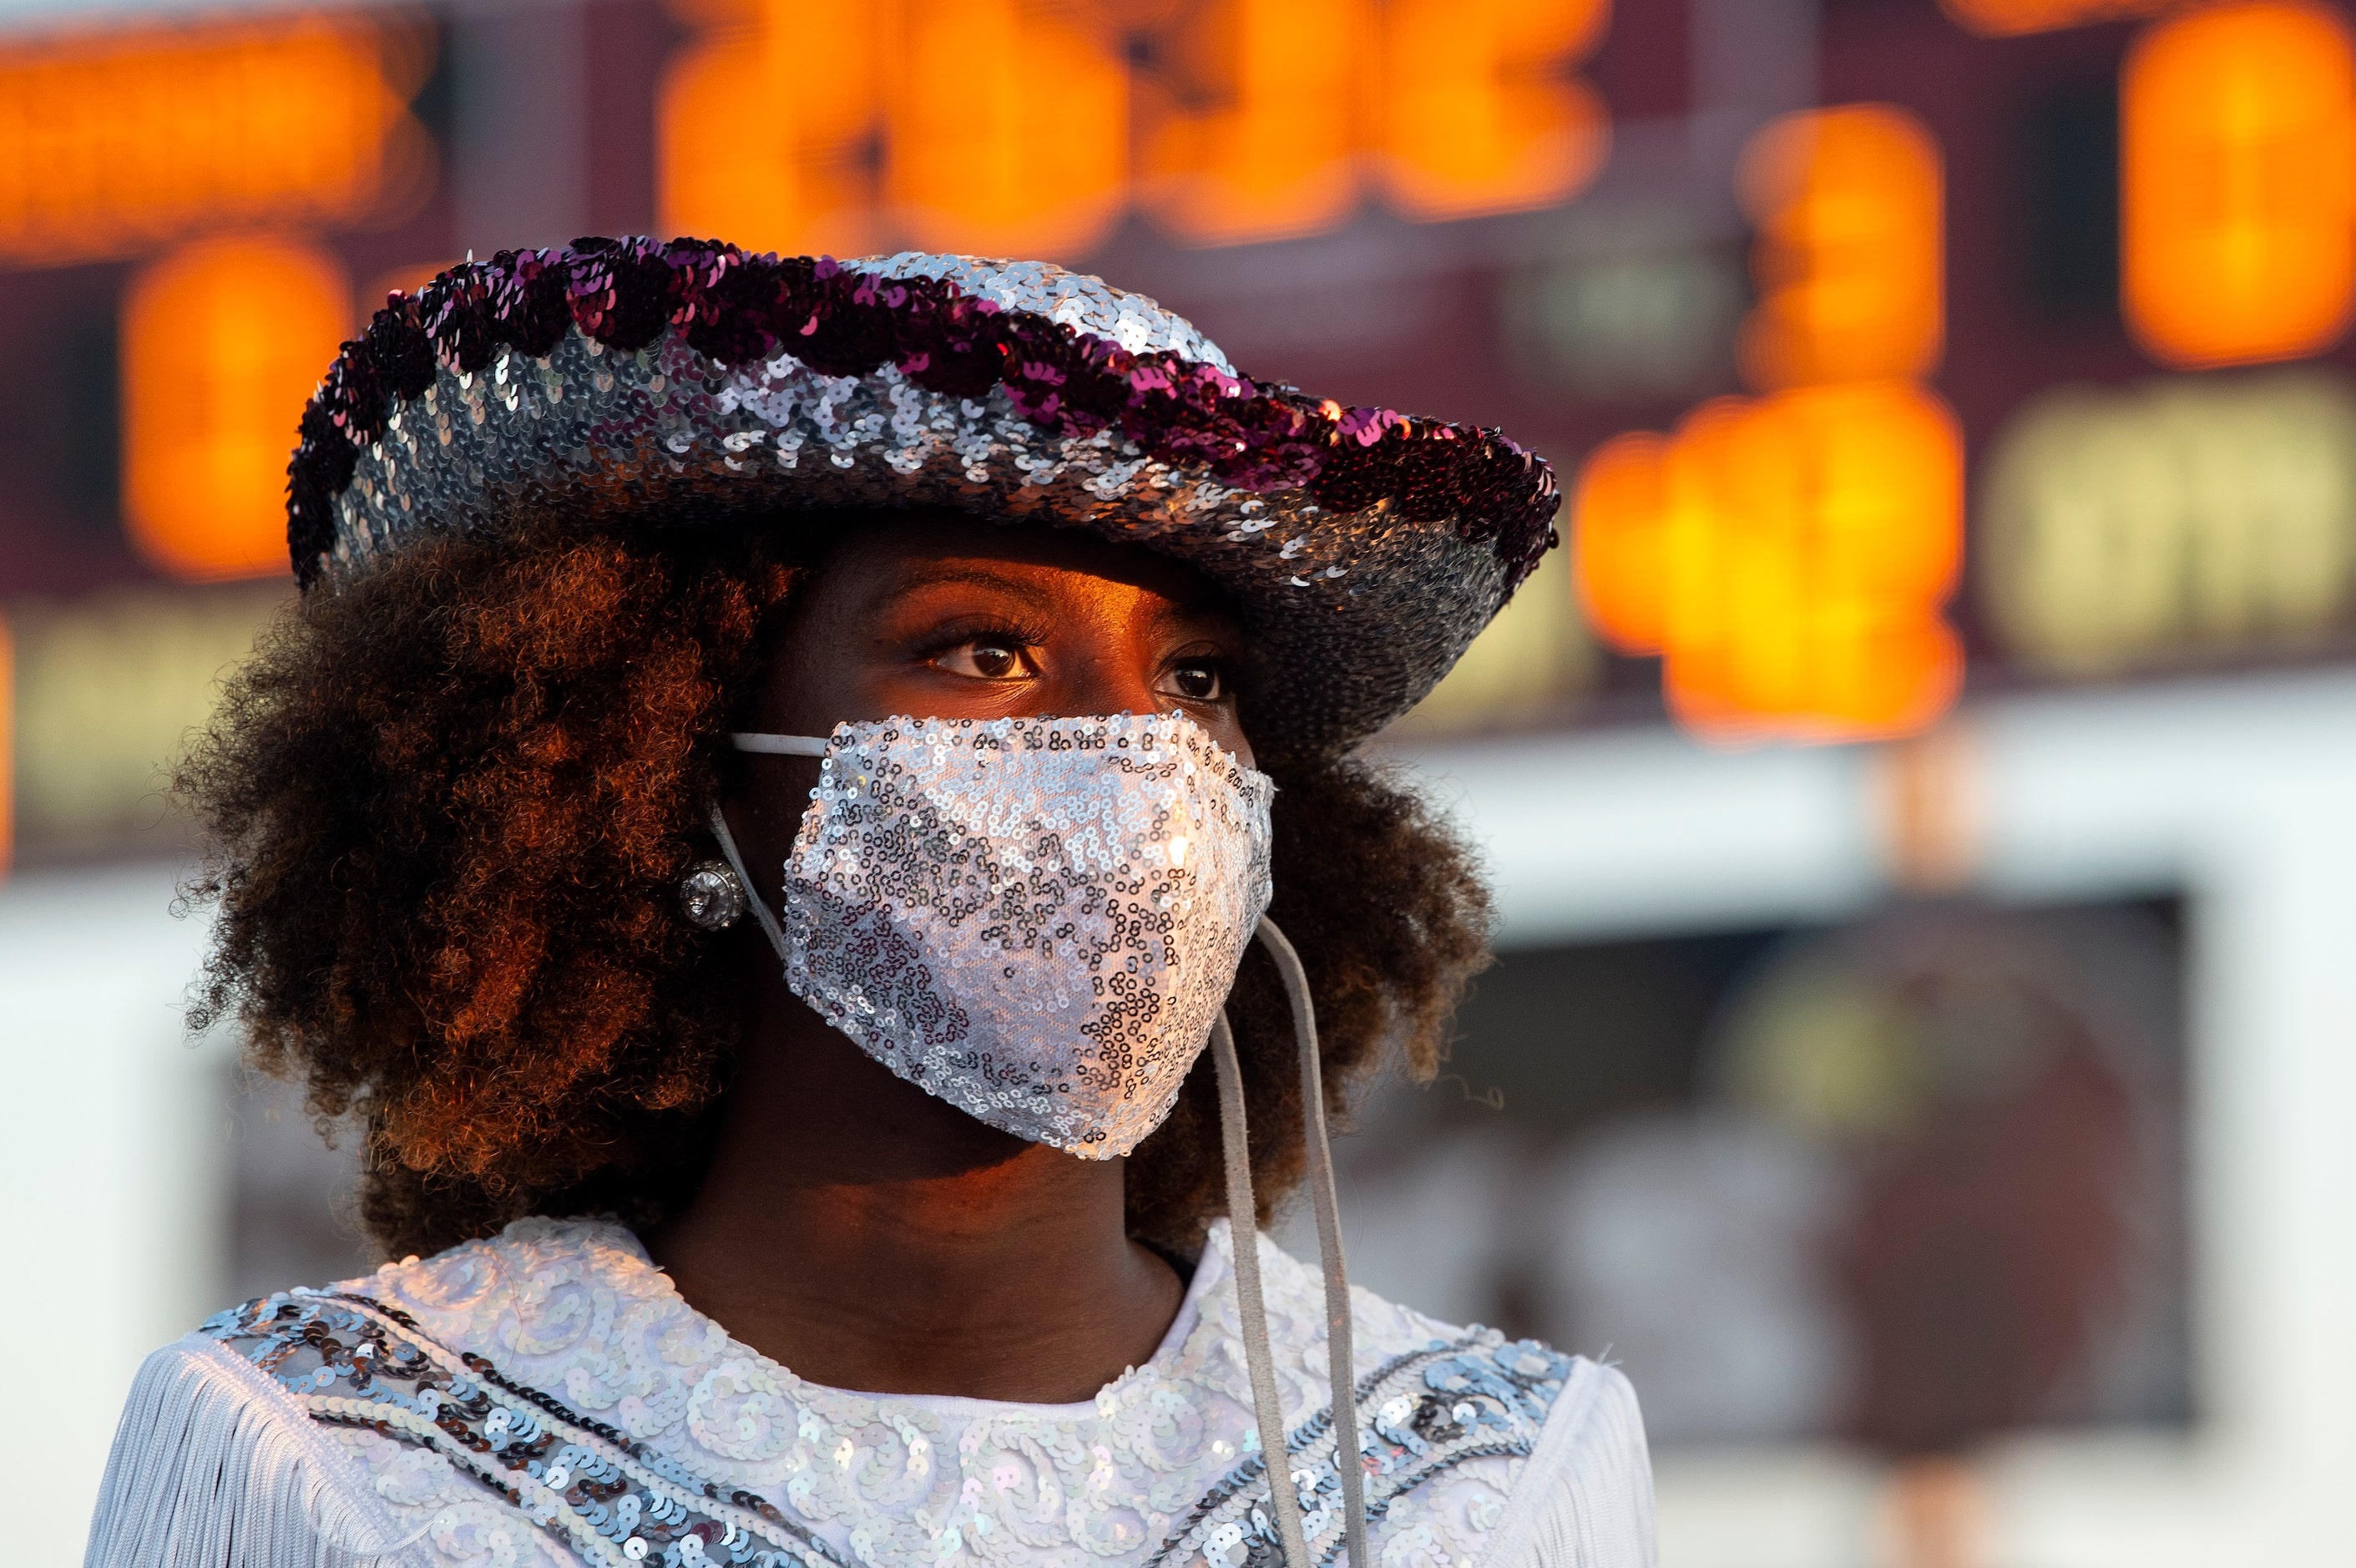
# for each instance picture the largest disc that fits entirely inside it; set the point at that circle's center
(1208, 614)
(1207, 611)
(950, 573)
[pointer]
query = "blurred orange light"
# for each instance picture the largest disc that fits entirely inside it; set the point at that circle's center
(1787, 557)
(1275, 152)
(2010, 18)
(1622, 510)
(1848, 258)
(1009, 135)
(1477, 114)
(765, 130)
(1006, 125)
(113, 141)
(222, 343)
(2238, 184)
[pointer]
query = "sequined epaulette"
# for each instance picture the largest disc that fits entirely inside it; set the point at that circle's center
(350, 1360)
(1419, 1414)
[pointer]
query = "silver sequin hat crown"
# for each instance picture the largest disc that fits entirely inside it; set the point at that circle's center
(1362, 548)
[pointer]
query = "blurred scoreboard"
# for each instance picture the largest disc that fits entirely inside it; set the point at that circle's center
(1888, 349)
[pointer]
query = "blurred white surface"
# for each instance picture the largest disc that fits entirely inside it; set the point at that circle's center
(114, 1165)
(2242, 794)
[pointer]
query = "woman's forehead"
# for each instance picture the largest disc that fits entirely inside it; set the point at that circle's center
(892, 552)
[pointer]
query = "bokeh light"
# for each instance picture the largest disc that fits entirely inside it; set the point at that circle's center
(1007, 126)
(1787, 558)
(1006, 137)
(2238, 183)
(1848, 257)
(222, 343)
(1478, 115)
(1256, 135)
(795, 174)
(113, 140)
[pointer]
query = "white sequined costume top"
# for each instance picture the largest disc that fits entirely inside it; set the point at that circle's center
(547, 1398)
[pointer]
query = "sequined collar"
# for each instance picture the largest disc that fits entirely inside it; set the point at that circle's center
(624, 1256)
(553, 1377)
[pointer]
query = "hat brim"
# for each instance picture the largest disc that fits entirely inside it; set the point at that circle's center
(1363, 549)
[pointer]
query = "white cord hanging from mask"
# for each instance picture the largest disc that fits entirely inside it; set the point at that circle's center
(1165, 805)
(1341, 1351)
(1243, 1233)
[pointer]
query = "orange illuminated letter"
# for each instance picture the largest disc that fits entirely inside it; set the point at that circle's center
(114, 141)
(1273, 153)
(1476, 113)
(1009, 131)
(1620, 541)
(765, 130)
(222, 343)
(2237, 187)
(1848, 261)
(1787, 558)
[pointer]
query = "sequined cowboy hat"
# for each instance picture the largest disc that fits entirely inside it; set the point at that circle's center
(1363, 548)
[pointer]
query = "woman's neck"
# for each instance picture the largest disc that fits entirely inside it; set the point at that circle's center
(869, 1236)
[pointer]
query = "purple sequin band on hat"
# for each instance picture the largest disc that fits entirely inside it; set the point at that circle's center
(690, 378)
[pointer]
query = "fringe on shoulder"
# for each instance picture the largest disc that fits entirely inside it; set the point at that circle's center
(1584, 1498)
(212, 1468)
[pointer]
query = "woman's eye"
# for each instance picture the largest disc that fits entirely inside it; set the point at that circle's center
(1196, 680)
(987, 659)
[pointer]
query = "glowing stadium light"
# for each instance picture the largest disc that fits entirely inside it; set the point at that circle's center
(1275, 152)
(1787, 558)
(1008, 132)
(112, 141)
(2237, 184)
(221, 344)
(1848, 255)
(2151, 524)
(1476, 112)
(2011, 18)
(765, 130)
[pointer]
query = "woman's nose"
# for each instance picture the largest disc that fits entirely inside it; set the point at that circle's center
(1099, 674)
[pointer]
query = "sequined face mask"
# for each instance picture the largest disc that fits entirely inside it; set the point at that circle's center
(1035, 920)
(1038, 921)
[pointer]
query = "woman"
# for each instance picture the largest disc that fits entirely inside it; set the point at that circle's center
(732, 883)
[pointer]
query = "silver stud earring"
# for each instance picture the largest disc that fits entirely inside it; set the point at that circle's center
(711, 896)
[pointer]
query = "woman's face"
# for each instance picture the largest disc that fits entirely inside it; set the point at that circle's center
(940, 616)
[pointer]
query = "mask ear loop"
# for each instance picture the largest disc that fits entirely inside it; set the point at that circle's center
(770, 745)
(1341, 1352)
(1243, 1233)
(751, 894)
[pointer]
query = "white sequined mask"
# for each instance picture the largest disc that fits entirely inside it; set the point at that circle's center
(1035, 920)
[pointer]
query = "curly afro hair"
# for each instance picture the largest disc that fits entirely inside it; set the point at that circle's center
(450, 803)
